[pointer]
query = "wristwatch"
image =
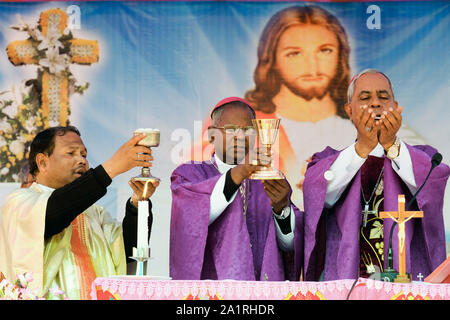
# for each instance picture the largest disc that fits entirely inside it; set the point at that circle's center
(284, 213)
(394, 150)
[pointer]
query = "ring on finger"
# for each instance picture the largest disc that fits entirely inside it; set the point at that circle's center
(368, 129)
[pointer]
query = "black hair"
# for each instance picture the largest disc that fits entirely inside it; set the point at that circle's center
(44, 142)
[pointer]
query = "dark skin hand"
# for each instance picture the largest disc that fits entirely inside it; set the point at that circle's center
(278, 192)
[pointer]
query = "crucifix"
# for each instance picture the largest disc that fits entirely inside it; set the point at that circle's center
(401, 217)
(55, 87)
(366, 212)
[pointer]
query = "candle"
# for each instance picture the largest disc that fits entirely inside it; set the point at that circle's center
(142, 228)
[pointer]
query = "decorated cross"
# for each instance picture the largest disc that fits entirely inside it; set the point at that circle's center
(55, 84)
(401, 216)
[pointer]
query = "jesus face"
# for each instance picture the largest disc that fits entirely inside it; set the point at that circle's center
(307, 59)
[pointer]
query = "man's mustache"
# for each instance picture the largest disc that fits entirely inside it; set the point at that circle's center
(310, 76)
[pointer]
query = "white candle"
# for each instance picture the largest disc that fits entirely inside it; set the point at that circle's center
(142, 227)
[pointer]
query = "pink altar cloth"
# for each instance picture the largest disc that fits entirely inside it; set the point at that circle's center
(146, 288)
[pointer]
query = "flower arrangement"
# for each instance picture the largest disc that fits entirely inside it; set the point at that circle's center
(20, 120)
(19, 289)
(43, 101)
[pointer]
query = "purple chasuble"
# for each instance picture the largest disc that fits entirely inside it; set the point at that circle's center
(336, 251)
(233, 246)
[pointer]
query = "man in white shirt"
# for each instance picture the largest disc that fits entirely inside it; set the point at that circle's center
(223, 225)
(345, 190)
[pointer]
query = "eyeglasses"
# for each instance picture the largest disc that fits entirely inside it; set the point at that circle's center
(232, 129)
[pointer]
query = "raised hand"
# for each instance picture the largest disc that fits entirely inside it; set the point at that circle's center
(367, 128)
(128, 156)
(391, 122)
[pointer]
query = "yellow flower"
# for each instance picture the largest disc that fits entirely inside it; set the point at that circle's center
(45, 17)
(84, 51)
(27, 52)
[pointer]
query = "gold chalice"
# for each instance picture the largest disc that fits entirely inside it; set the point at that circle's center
(267, 134)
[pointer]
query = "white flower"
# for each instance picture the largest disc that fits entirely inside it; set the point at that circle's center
(11, 292)
(29, 125)
(22, 26)
(29, 276)
(5, 126)
(15, 95)
(19, 91)
(7, 95)
(3, 172)
(22, 280)
(56, 291)
(54, 61)
(49, 42)
(35, 33)
(4, 282)
(2, 142)
(28, 294)
(17, 147)
(11, 110)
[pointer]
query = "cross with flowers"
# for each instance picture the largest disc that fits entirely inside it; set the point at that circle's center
(51, 47)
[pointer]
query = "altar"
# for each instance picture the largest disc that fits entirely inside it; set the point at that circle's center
(147, 288)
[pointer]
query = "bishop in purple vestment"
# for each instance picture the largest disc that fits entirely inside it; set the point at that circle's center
(224, 225)
(335, 196)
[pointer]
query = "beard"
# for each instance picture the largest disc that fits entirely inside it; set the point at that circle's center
(310, 92)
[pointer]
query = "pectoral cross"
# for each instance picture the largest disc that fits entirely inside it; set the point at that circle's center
(401, 216)
(366, 212)
(55, 88)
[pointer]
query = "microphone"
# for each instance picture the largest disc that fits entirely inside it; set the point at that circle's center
(390, 273)
(436, 160)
